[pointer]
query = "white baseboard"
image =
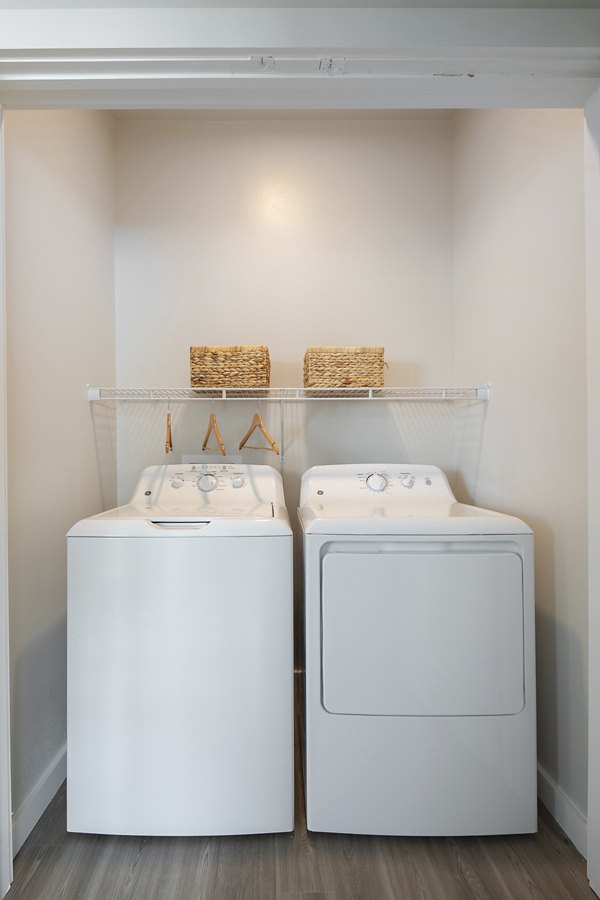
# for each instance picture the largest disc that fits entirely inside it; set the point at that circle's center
(26, 817)
(561, 807)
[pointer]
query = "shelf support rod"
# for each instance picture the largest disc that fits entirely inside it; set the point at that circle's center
(282, 430)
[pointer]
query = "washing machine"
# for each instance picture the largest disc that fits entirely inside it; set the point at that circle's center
(180, 670)
(420, 669)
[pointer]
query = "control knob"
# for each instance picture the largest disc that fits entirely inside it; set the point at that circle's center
(237, 482)
(176, 483)
(377, 482)
(207, 482)
(408, 481)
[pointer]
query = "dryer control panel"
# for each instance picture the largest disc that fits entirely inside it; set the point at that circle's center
(381, 483)
(222, 483)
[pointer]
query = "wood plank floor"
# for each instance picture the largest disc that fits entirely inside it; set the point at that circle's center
(54, 865)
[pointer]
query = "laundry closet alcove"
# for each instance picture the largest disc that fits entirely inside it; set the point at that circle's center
(456, 240)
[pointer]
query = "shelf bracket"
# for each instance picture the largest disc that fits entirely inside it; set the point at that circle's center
(282, 431)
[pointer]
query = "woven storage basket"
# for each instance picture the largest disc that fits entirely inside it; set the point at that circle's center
(335, 367)
(230, 367)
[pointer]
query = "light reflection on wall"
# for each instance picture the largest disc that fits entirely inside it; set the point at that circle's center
(280, 204)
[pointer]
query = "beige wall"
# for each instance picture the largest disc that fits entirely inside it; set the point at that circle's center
(291, 233)
(592, 237)
(283, 232)
(60, 321)
(288, 233)
(520, 323)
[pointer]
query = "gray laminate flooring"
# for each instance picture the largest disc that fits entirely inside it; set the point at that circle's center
(54, 865)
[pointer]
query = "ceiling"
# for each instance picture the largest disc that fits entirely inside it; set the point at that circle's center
(300, 4)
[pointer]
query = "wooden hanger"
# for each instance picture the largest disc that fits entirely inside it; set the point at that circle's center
(212, 426)
(257, 422)
(169, 436)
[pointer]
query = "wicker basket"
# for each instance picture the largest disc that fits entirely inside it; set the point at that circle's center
(230, 367)
(335, 367)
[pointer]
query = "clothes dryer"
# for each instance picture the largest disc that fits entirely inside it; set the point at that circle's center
(180, 671)
(420, 669)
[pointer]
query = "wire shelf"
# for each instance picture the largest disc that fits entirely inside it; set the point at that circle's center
(301, 395)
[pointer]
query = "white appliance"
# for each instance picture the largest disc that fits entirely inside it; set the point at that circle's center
(420, 670)
(180, 669)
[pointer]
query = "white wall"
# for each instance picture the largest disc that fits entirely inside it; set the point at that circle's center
(293, 232)
(592, 237)
(60, 323)
(5, 792)
(287, 233)
(283, 232)
(520, 323)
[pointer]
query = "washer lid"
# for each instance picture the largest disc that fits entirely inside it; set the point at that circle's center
(196, 500)
(181, 512)
(185, 519)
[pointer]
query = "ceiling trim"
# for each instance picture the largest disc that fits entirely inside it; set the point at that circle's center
(298, 58)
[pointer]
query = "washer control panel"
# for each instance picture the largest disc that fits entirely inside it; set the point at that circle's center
(389, 483)
(377, 482)
(222, 483)
(204, 479)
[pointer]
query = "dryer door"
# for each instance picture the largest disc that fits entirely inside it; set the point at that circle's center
(422, 633)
